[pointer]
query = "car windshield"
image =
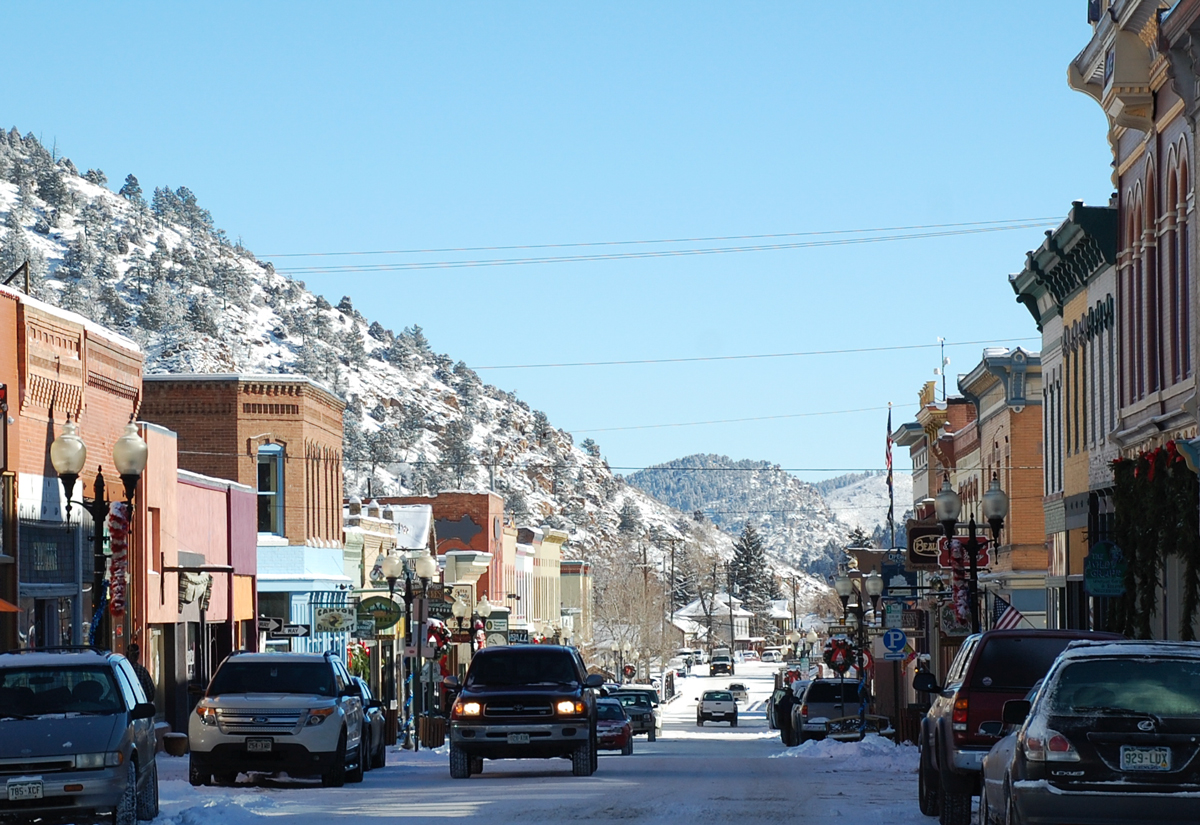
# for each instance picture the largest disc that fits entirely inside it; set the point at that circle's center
(522, 666)
(832, 692)
(718, 696)
(736, 686)
(610, 712)
(1015, 663)
(273, 677)
(647, 695)
(631, 700)
(37, 691)
(1159, 687)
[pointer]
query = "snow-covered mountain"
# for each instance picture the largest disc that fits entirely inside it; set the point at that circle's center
(416, 421)
(861, 499)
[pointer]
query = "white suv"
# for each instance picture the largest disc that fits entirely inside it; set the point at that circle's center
(299, 713)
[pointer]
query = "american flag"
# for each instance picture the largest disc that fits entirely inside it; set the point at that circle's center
(1004, 615)
(891, 515)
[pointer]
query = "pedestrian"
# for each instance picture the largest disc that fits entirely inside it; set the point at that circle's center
(133, 653)
(783, 718)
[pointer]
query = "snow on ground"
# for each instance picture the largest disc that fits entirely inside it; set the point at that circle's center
(872, 754)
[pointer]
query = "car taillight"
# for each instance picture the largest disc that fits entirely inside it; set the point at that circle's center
(804, 711)
(958, 719)
(1047, 745)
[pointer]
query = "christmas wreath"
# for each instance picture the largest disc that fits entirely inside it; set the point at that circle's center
(360, 658)
(838, 655)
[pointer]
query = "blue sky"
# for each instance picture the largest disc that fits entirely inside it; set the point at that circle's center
(317, 127)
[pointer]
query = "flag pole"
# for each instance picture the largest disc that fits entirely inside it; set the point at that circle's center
(890, 485)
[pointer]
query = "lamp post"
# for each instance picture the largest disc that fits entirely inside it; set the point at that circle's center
(870, 586)
(948, 505)
(795, 638)
(483, 609)
(812, 638)
(392, 568)
(425, 566)
(68, 455)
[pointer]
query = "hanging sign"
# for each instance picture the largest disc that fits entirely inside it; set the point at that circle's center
(946, 555)
(381, 610)
(338, 619)
(1104, 570)
(118, 566)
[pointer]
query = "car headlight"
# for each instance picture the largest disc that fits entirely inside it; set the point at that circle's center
(467, 709)
(569, 707)
(208, 716)
(318, 715)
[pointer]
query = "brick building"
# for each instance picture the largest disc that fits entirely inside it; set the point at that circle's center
(280, 435)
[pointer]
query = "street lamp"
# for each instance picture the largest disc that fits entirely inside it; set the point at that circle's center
(794, 637)
(948, 506)
(812, 640)
(870, 586)
(426, 567)
(68, 454)
(392, 568)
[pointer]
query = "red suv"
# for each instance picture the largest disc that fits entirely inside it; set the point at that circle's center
(964, 720)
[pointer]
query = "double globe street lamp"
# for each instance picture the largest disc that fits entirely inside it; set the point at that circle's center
(948, 506)
(68, 456)
(870, 586)
(393, 566)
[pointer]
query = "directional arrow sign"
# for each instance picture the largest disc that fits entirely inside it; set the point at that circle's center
(292, 630)
(269, 625)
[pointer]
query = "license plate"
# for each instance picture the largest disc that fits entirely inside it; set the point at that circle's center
(259, 745)
(518, 739)
(24, 790)
(1145, 759)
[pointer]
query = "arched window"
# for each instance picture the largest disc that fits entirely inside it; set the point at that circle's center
(270, 489)
(1184, 256)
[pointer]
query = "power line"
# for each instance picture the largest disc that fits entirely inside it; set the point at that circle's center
(731, 420)
(856, 350)
(662, 253)
(655, 241)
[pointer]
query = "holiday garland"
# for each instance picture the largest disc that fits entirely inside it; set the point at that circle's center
(1156, 498)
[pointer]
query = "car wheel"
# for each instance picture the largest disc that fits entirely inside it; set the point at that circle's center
(225, 778)
(955, 808)
(985, 813)
(627, 749)
(147, 801)
(652, 735)
(1010, 810)
(335, 777)
(460, 763)
(581, 760)
(126, 812)
(699, 722)
(196, 776)
(355, 774)
(928, 791)
(733, 724)
(595, 752)
(379, 758)
(476, 765)
(364, 747)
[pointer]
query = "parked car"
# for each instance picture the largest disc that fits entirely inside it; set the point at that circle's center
(1113, 736)
(772, 703)
(78, 738)
(613, 730)
(772, 655)
(739, 691)
(824, 699)
(374, 727)
(716, 706)
(300, 713)
(640, 712)
(989, 670)
(650, 694)
(750, 656)
(994, 774)
(525, 702)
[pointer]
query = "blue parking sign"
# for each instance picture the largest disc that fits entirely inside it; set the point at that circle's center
(895, 640)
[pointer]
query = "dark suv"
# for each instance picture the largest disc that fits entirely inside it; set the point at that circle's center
(525, 702)
(963, 721)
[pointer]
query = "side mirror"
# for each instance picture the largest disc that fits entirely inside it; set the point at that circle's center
(451, 682)
(925, 682)
(1016, 711)
(594, 680)
(195, 690)
(375, 703)
(350, 692)
(142, 710)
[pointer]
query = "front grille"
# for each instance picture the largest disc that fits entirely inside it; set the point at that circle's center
(38, 765)
(534, 708)
(254, 721)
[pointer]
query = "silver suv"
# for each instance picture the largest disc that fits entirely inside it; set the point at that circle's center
(299, 713)
(76, 738)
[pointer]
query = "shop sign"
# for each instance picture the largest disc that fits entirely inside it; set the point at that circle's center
(923, 548)
(912, 620)
(496, 625)
(1104, 570)
(334, 619)
(518, 637)
(365, 628)
(982, 559)
(384, 612)
(440, 609)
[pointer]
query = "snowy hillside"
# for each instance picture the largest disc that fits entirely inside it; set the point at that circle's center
(159, 271)
(863, 502)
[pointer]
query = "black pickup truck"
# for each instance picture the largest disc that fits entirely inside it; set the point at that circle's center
(525, 702)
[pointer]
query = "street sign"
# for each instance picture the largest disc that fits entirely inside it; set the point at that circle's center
(893, 615)
(495, 626)
(894, 640)
(894, 656)
(292, 630)
(269, 625)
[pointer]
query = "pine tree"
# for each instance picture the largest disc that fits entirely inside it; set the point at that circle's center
(132, 190)
(629, 518)
(458, 456)
(749, 570)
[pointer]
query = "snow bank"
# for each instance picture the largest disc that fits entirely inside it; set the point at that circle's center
(872, 754)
